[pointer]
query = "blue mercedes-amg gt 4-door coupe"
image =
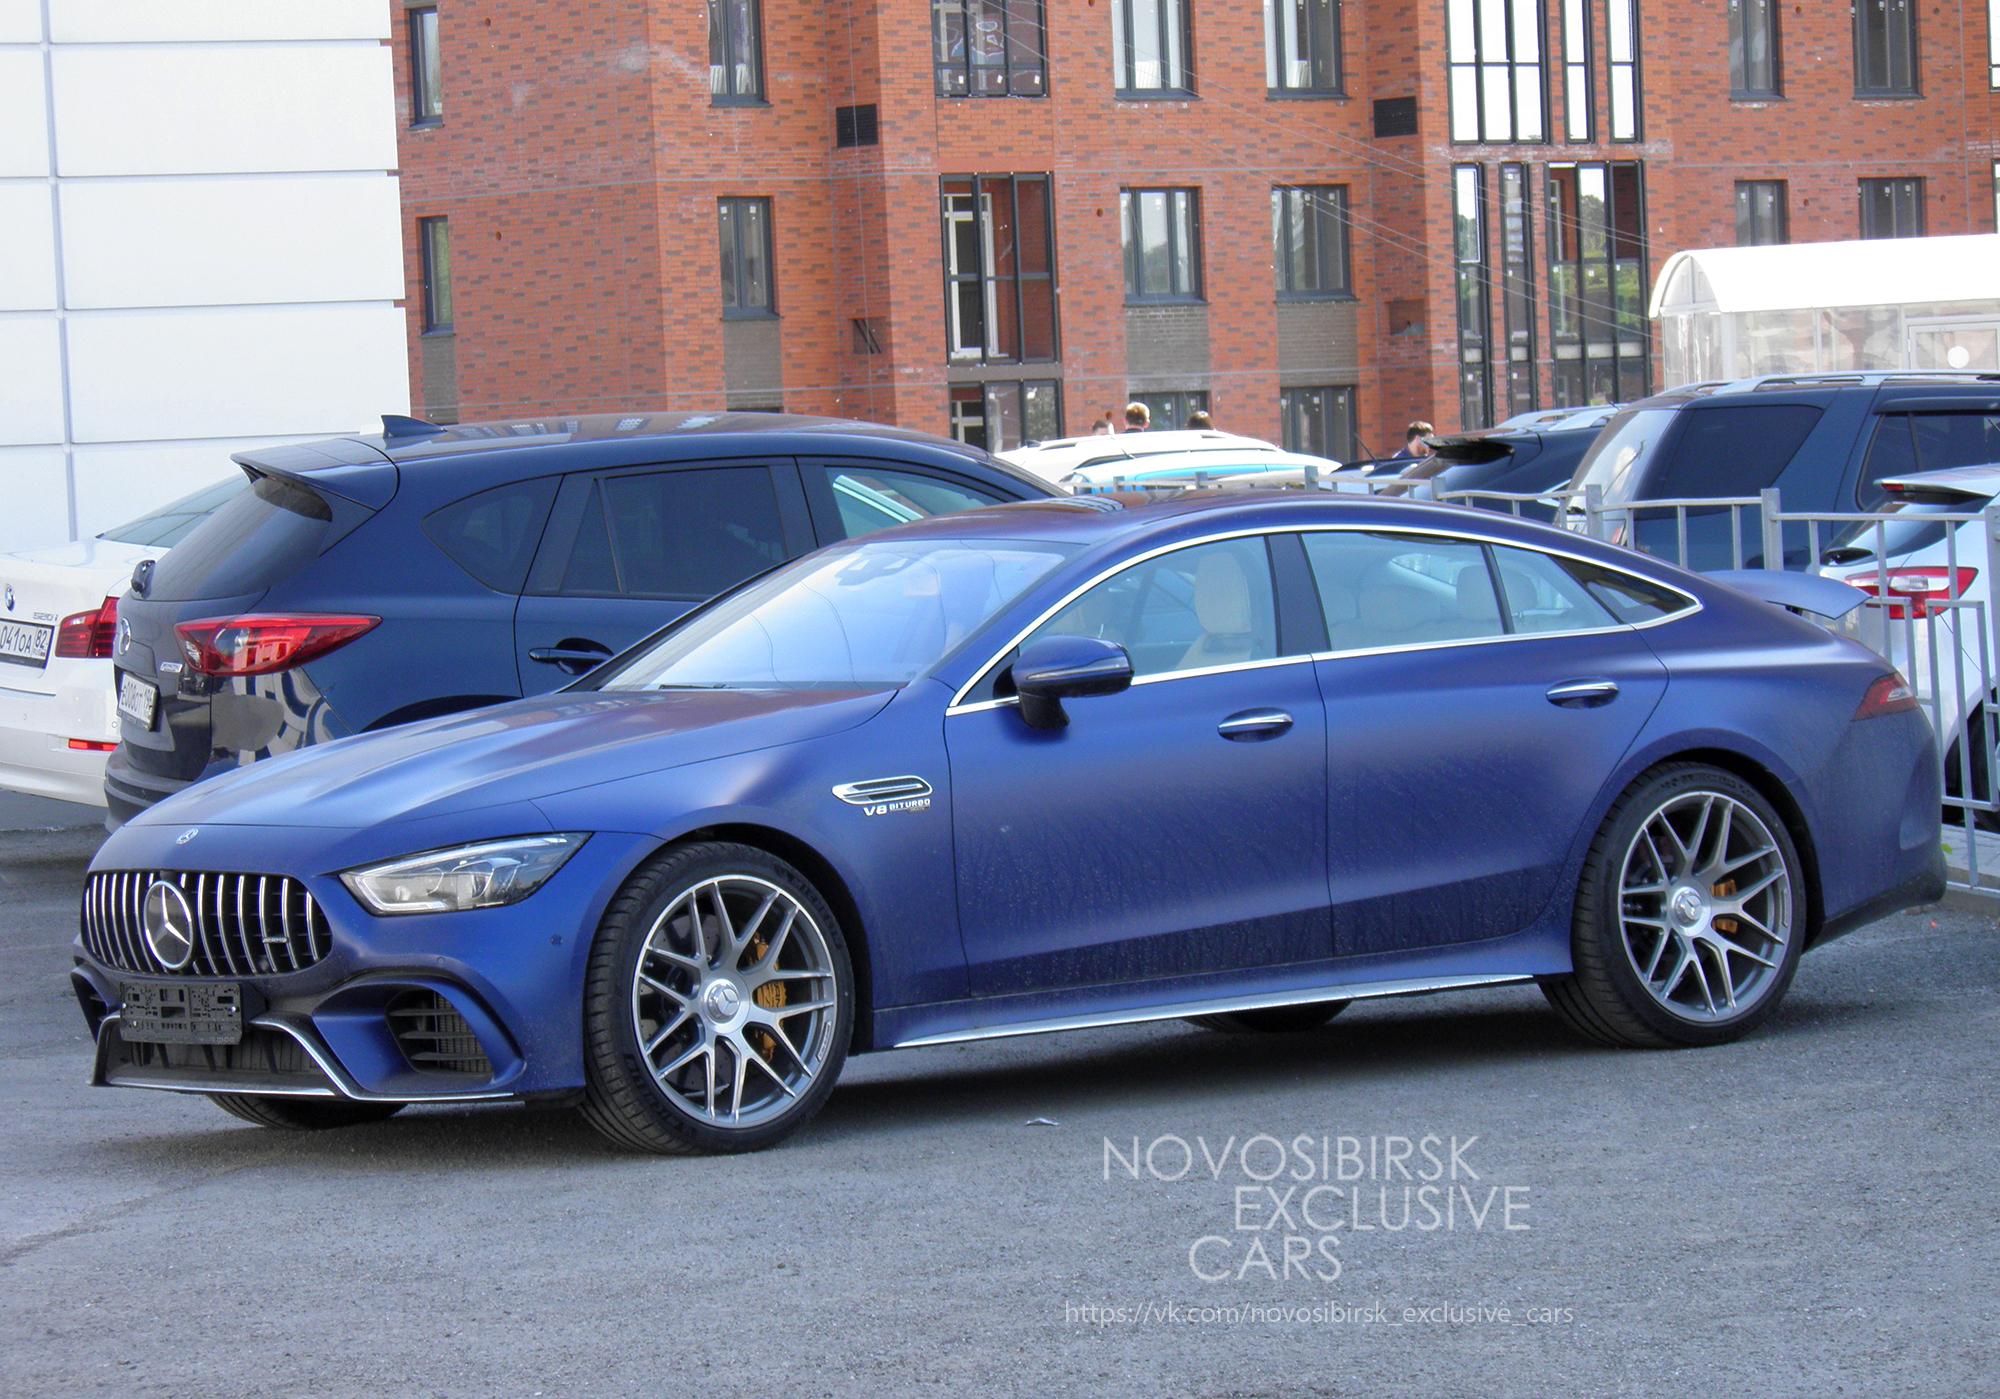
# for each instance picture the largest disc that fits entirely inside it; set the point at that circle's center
(1238, 758)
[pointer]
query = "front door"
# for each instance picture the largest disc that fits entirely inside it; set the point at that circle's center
(1176, 828)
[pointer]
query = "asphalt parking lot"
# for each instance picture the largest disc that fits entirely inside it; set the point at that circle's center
(1809, 1212)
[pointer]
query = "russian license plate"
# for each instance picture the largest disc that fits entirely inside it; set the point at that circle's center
(137, 700)
(165, 1012)
(25, 643)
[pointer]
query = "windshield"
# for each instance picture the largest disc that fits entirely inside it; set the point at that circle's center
(876, 612)
(1614, 459)
(170, 524)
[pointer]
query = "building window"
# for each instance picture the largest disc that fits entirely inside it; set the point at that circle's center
(434, 244)
(1996, 195)
(1760, 213)
(745, 228)
(1495, 53)
(1168, 410)
(1598, 330)
(1309, 241)
(1993, 44)
(1149, 48)
(1003, 415)
(1468, 188)
(735, 52)
(989, 48)
(1319, 422)
(1885, 48)
(1577, 115)
(1302, 47)
(1892, 208)
(1753, 49)
(1621, 43)
(1517, 288)
(999, 266)
(426, 85)
(1162, 231)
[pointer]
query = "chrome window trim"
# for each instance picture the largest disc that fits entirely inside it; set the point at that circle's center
(959, 705)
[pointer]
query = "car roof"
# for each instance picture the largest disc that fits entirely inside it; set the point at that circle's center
(591, 440)
(1074, 453)
(1262, 459)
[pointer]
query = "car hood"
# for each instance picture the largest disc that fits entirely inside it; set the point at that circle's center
(510, 753)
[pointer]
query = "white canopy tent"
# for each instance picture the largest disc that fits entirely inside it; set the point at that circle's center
(1803, 308)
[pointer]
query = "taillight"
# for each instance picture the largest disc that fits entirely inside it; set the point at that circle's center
(87, 636)
(1890, 694)
(258, 645)
(1926, 584)
(91, 745)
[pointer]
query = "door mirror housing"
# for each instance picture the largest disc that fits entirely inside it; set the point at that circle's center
(1056, 668)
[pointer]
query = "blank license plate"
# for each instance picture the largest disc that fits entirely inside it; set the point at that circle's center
(162, 1012)
(137, 700)
(24, 643)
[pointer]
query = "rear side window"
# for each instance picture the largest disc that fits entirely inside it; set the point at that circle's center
(252, 541)
(1543, 597)
(1629, 599)
(869, 498)
(1909, 442)
(492, 535)
(1734, 450)
(675, 534)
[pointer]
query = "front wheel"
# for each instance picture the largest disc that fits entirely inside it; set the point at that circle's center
(718, 1004)
(1689, 917)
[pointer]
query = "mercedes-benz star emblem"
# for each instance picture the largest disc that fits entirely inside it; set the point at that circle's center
(169, 925)
(187, 835)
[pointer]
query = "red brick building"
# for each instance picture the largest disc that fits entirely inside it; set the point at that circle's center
(1316, 218)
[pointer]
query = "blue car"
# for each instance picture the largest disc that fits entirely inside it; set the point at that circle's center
(1238, 758)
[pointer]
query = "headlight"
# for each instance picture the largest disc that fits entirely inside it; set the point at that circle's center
(486, 875)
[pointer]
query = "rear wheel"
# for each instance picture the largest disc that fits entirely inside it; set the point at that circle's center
(718, 1004)
(1689, 916)
(302, 1114)
(1272, 1020)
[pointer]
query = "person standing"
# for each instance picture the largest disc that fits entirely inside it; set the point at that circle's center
(1414, 443)
(1104, 426)
(1137, 417)
(1199, 421)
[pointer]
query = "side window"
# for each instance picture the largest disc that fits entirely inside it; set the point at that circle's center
(1956, 439)
(492, 535)
(1735, 450)
(871, 498)
(1629, 599)
(1387, 590)
(1543, 597)
(1208, 605)
(676, 534)
(1891, 452)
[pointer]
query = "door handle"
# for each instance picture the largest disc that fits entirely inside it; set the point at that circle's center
(572, 659)
(1583, 694)
(1253, 725)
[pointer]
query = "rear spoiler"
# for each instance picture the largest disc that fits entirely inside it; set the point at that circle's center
(1797, 592)
(1915, 490)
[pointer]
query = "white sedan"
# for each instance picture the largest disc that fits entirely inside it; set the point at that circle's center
(58, 623)
(1060, 459)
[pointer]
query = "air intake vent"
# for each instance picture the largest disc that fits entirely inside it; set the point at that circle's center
(435, 1037)
(244, 924)
(856, 126)
(1395, 116)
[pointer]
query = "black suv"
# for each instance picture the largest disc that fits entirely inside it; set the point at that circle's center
(1525, 455)
(369, 581)
(1822, 440)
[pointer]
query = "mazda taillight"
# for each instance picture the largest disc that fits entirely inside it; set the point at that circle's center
(87, 636)
(258, 645)
(1890, 694)
(1920, 586)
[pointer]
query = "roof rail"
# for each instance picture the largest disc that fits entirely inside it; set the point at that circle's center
(1869, 378)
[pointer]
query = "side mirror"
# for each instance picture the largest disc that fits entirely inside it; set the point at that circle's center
(1057, 668)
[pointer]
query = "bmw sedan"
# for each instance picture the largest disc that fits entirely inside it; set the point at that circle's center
(1238, 758)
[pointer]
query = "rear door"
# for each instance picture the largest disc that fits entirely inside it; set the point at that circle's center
(629, 550)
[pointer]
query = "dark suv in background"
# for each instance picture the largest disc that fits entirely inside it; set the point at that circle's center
(1529, 454)
(369, 581)
(1822, 440)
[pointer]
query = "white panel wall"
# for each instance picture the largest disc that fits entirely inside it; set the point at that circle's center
(214, 262)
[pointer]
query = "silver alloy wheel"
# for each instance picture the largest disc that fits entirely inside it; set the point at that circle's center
(733, 1000)
(1705, 907)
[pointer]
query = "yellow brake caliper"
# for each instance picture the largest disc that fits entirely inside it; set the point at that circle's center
(771, 996)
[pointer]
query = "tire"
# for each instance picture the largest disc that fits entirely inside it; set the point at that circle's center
(1272, 1020)
(718, 1004)
(1667, 949)
(303, 1114)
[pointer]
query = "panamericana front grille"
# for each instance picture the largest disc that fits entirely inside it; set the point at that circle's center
(435, 1037)
(245, 924)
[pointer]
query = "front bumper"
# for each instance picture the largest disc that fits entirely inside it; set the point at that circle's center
(431, 1008)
